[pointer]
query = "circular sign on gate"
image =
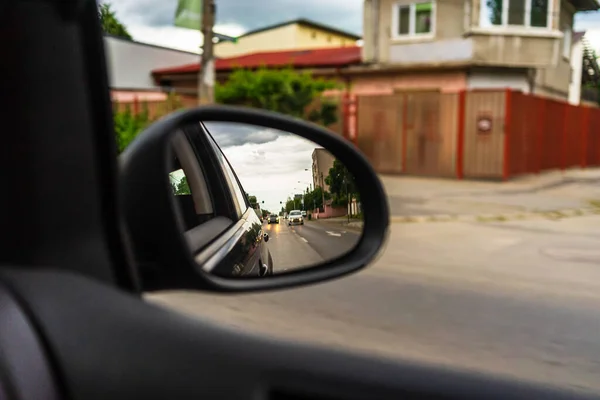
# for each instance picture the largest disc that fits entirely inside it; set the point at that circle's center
(484, 124)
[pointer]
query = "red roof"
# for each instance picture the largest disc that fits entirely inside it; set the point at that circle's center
(316, 58)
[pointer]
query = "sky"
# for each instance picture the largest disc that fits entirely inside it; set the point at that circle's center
(270, 164)
(151, 21)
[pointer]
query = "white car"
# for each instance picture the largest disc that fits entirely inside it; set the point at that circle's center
(295, 218)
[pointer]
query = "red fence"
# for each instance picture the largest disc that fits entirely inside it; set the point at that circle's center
(475, 134)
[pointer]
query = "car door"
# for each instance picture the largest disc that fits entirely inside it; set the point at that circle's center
(247, 238)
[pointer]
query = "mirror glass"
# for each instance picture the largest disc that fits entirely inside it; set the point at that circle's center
(299, 205)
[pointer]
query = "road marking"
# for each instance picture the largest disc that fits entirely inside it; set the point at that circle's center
(333, 233)
(305, 241)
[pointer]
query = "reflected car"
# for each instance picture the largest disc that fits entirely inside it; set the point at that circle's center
(295, 218)
(273, 219)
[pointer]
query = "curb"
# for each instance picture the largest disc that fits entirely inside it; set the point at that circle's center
(506, 217)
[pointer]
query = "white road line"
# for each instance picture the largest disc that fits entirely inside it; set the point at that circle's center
(305, 241)
(333, 233)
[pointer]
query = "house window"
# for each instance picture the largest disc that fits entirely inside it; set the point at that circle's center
(523, 13)
(415, 19)
(313, 35)
(567, 39)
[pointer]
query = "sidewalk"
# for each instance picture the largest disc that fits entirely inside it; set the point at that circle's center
(354, 224)
(573, 191)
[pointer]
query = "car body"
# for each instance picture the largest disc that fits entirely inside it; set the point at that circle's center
(273, 219)
(303, 213)
(295, 218)
(252, 255)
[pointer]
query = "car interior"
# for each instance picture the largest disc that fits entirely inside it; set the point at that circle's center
(79, 240)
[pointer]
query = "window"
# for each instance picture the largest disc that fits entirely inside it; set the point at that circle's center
(234, 187)
(567, 40)
(415, 19)
(524, 13)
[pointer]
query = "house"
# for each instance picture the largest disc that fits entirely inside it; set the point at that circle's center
(130, 66)
(290, 35)
(322, 162)
(321, 62)
(450, 45)
(586, 72)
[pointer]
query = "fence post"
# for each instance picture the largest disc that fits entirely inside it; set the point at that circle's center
(460, 134)
(507, 129)
(585, 122)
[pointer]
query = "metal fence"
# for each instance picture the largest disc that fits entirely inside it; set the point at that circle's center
(486, 134)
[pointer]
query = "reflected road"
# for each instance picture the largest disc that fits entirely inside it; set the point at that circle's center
(309, 244)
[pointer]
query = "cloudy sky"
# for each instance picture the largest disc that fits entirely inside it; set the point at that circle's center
(151, 20)
(270, 164)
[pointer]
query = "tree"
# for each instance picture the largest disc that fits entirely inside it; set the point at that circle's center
(314, 199)
(110, 24)
(181, 187)
(341, 184)
(128, 125)
(286, 91)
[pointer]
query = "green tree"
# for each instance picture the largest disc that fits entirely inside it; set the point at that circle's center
(314, 199)
(290, 205)
(128, 125)
(341, 184)
(182, 187)
(286, 91)
(110, 24)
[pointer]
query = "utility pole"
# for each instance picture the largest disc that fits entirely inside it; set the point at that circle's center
(206, 77)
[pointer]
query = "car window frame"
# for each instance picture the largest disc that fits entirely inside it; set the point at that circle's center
(241, 209)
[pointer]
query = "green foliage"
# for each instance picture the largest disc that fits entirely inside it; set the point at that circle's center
(252, 200)
(314, 199)
(128, 125)
(110, 24)
(286, 91)
(290, 205)
(182, 187)
(341, 184)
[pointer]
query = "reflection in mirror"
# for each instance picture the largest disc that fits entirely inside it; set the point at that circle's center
(304, 199)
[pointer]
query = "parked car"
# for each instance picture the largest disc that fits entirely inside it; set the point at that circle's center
(295, 218)
(273, 219)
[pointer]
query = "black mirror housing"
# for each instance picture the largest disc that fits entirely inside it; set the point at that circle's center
(171, 265)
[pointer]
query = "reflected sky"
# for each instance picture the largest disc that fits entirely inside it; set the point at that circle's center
(269, 163)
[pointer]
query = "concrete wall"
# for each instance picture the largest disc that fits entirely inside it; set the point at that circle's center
(444, 81)
(458, 36)
(130, 63)
(483, 78)
(577, 67)
(322, 162)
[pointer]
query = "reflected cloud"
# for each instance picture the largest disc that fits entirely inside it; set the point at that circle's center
(271, 165)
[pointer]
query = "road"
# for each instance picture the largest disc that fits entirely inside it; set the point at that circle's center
(300, 246)
(518, 299)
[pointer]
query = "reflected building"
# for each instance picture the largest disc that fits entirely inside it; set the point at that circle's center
(322, 162)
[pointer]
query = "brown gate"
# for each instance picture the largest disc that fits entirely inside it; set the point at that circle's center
(430, 133)
(379, 131)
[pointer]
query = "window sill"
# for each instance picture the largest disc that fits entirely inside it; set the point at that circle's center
(413, 38)
(516, 31)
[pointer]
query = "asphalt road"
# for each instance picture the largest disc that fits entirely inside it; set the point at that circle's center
(518, 299)
(301, 246)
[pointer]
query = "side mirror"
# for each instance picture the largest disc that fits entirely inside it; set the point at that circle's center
(191, 226)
